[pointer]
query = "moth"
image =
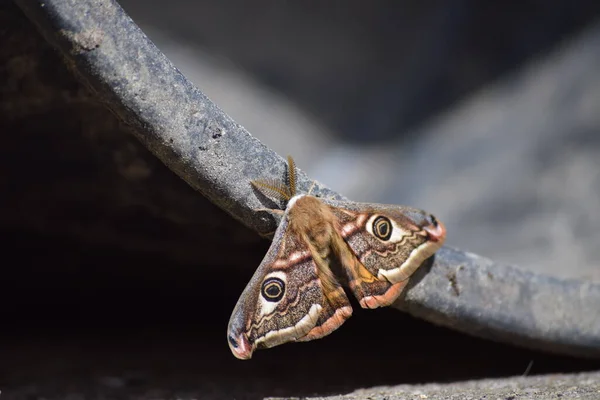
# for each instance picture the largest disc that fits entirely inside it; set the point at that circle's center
(320, 246)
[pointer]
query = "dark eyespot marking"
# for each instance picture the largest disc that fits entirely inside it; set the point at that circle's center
(233, 342)
(434, 220)
(382, 228)
(273, 289)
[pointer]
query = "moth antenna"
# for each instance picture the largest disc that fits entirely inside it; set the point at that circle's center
(272, 188)
(312, 186)
(270, 210)
(291, 176)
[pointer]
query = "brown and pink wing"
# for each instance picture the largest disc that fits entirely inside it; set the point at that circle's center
(288, 299)
(382, 246)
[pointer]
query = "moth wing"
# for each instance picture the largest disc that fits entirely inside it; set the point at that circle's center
(289, 298)
(382, 246)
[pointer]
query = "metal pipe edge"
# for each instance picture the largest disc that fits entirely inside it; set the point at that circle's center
(110, 55)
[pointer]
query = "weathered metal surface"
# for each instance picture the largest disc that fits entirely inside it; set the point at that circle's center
(217, 157)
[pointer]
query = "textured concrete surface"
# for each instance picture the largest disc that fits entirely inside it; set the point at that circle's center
(574, 386)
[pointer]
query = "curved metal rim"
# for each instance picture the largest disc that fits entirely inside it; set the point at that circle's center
(217, 157)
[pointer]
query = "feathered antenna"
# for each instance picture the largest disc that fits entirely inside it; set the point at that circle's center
(276, 189)
(272, 188)
(291, 175)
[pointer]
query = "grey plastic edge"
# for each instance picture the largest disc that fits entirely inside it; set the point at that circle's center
(106, 50)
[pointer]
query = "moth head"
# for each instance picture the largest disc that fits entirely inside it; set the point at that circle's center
(272, 311)
(402, 237)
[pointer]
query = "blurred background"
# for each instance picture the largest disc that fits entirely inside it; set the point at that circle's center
(485, 114)
(119, 279)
